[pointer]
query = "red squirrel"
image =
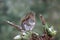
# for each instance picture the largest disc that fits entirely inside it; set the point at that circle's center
(28, 21)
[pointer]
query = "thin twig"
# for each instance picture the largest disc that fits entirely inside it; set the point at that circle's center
(14, 25)
(42, 19)
(43, 22)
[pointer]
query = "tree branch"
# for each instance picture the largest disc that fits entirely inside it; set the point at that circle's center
(14, 25)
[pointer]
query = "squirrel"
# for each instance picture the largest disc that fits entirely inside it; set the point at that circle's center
(28, 22)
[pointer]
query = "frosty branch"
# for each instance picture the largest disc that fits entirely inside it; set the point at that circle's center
(28, 23)
(14, 25)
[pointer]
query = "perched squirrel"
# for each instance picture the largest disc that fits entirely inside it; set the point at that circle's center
(28, 21)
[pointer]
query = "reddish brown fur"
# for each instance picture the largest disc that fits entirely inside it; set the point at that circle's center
(28, 16)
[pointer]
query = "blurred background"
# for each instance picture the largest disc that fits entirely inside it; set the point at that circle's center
(14, 10)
